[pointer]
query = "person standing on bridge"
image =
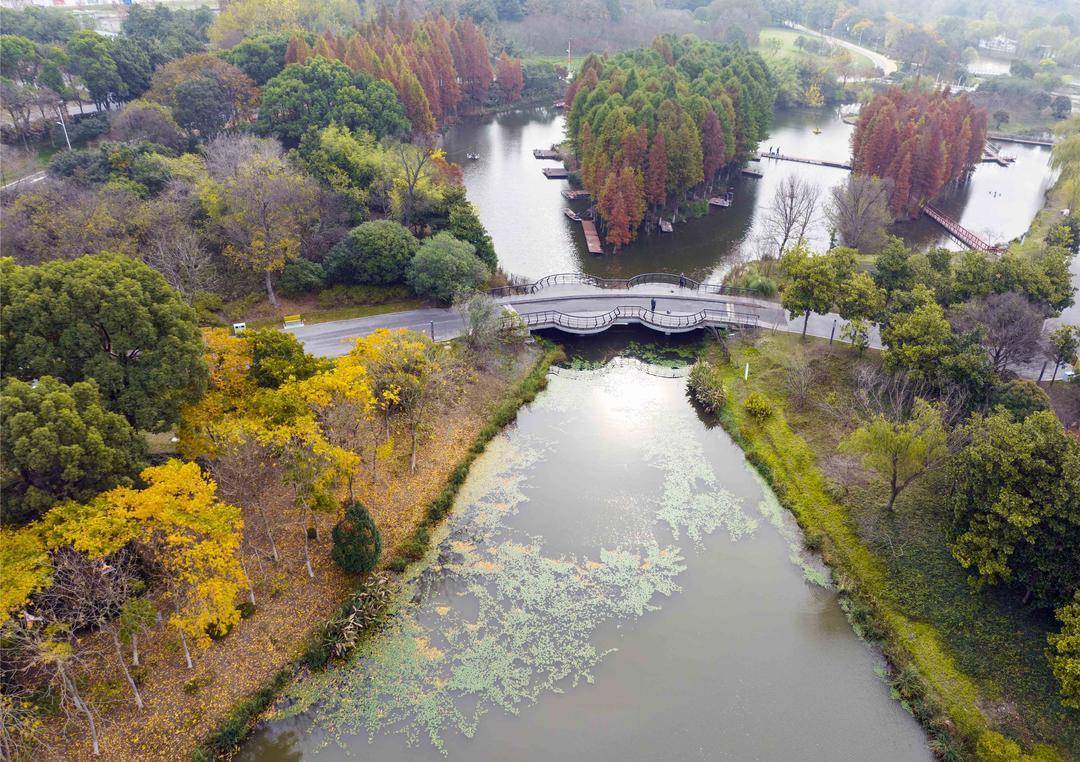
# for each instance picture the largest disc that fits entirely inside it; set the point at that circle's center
(653, 305)
(682, 280)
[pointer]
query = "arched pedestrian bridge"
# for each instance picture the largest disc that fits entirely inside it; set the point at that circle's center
(576, 303)
(584, 304)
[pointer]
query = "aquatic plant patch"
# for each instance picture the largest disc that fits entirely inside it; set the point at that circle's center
(491, 618)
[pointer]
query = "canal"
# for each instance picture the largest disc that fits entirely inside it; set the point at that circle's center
(614, 582)
(524, 211)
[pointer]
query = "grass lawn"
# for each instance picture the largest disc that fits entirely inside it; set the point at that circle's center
(575, 60)
(339, 313)
(781, 42)
(979, 652)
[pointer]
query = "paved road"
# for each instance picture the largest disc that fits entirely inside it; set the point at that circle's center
(335, 338)
(24, 182)
(886, 64)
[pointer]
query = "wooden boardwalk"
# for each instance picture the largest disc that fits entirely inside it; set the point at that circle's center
(958, 231)
(572, 194)
(1017, 139)
(592, 238)
(805, 160)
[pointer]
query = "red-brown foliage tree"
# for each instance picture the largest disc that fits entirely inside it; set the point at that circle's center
(509, 78)
(922, 141)
(432, 62)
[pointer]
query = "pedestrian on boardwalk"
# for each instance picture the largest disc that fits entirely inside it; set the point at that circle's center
(653, 305)
(682, 280)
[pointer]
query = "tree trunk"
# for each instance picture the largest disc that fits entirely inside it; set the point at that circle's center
(893, 491)
(270, 290)
(806, 319)
(183, 640)
(1042, 371)
(1056, 366)
(307, 551)
(127, 674)
(187, 652)
(315, 523)
(412, 458)
(82, 706)
(251, 589)
(135, 650)
(269, 533)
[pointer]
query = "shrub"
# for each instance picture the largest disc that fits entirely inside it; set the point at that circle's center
(757, 406)
(351, 296)
(696, 208)
(277, 357)
(445, 267)
(375, 253)
(706, 386)
(301, 276)
(1020, 397)
(356, 540)
(761, 286)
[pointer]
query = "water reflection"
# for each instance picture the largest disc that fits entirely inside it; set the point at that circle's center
(614, 582)
(524, 210)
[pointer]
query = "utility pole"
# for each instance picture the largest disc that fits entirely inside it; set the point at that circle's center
(64, 127)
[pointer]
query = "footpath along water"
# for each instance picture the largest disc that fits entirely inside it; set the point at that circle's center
(524, 211)
(614, 582)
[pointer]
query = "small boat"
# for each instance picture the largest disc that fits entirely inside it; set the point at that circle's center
(817, 130)
(571, 214)
(472, 156)
(665, 227)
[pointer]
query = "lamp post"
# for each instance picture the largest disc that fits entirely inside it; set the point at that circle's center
(64, 127)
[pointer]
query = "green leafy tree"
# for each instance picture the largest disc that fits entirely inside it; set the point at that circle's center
(1064, 341)
(318, 92)
(445, 267)
(260, 57)
(1064, 652)
(301, 276)
(892, 267)
(465, 225)
(108, 318)
(900, 450)
(92, 57)
(201, 106)
(277, 357)
(357, 543)
(1020, 397)
(858, 297)
(60, 443)
(376, 252)
(1014, 490)
(917, 341)
(811, 283)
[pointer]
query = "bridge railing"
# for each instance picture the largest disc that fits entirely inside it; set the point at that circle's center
(644, 315)
(669, 279)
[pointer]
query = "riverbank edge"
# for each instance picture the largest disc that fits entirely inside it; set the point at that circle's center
(922, 675)
(244, 715)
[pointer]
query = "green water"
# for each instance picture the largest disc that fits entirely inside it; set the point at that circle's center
(614, 582)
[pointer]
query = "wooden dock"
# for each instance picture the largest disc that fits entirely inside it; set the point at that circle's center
(545, 153)
(750, 172)
(805, 160)
(573, 194)
(592, 238)
(555, 173)
(1021, 140)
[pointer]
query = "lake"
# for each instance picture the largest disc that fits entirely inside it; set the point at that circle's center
(523, 210)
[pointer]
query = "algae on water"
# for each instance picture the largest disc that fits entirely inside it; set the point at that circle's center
(491, 619)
